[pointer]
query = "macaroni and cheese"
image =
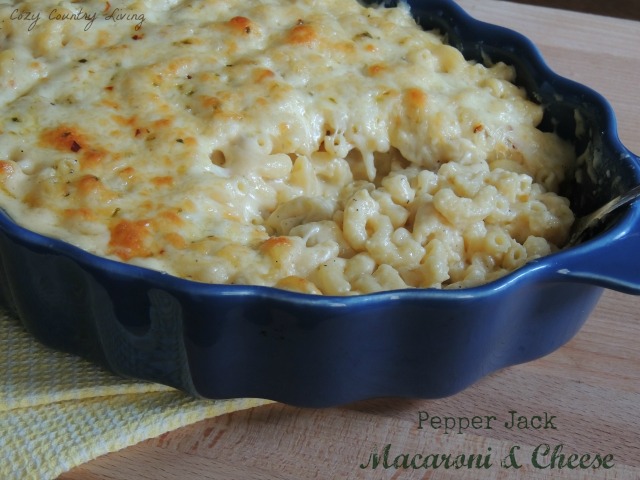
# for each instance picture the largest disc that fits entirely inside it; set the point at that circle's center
(318, 146)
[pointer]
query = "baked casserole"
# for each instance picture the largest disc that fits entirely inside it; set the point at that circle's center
(321, 147)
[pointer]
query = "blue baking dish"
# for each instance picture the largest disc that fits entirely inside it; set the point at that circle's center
(223, 341)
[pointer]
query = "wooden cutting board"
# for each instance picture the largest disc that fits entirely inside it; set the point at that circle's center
(579, 404)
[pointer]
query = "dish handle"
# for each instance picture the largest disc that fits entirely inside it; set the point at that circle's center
(611, 260)
(613, 264)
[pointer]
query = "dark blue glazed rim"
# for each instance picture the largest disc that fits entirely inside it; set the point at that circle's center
(230, 341)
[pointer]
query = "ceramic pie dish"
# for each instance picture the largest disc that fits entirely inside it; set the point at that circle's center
(229, 341)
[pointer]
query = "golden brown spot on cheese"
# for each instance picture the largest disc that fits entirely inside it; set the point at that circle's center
(125, 121)
(240, 25)
(88, 184)
(93, 157)
(165, 181)
(275, 245)
(187, 205)
(263, 74)
(190, 141)
(104, 38)
(146, 206)
(129, 239)
(85, 214)
(91, 188)
(6, 169)
(68, 138)
(110, 103)
(416, 98)
(163, 123)
(33, 198)
(171, 217)
(127, 173)
(302, 34)
(209, 102)
(347, 48)
(297, 284)
(65, 138)
(376, 69)
(176, 240)
(131, 121)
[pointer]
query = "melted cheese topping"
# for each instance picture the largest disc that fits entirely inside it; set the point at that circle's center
(318, 146)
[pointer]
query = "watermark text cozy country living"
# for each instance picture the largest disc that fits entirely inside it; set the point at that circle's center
(33, 18)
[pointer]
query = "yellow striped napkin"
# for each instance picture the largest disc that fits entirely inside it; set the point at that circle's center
(58, 411)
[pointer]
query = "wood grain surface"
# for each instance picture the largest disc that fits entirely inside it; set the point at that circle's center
(583, 400)
(613, 8)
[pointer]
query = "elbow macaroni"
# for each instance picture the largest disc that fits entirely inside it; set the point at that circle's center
(322, 148)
